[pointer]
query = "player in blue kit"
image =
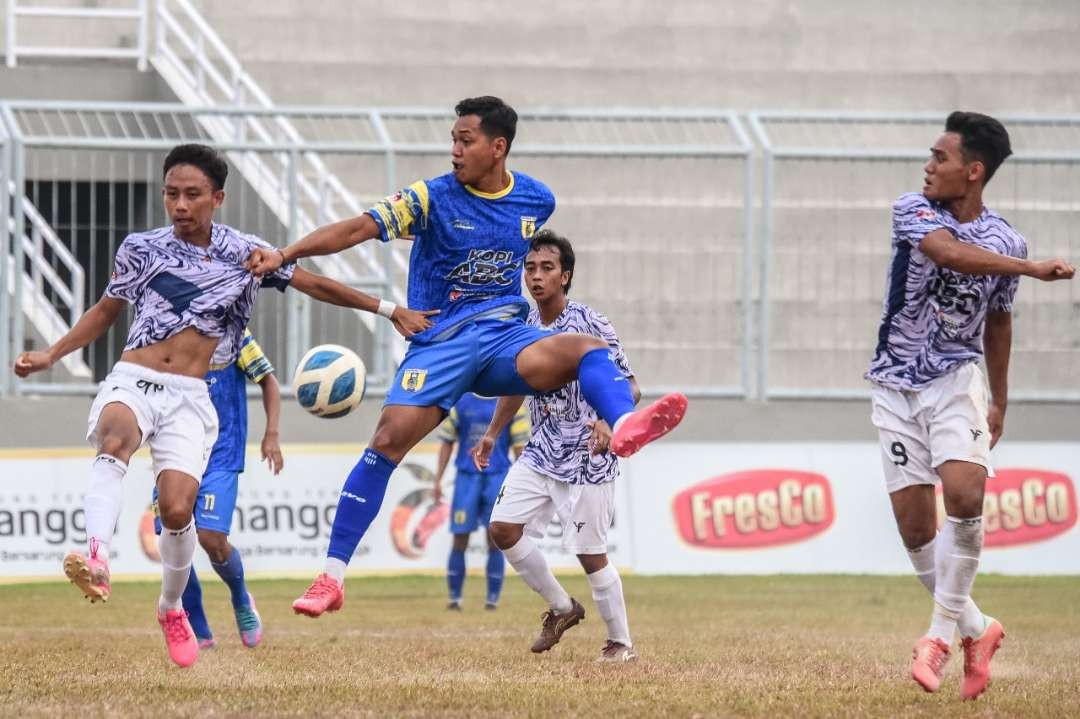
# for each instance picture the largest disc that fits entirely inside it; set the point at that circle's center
(471, 230)
(475, 491)
(216, 500)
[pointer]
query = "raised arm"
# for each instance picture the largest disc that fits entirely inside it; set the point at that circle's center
(947, 251)
(997, 346)
(407, 322)
(505, 409)
(325, 240)
(95, 322)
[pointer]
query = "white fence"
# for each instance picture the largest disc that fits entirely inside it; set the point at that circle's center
(621, 180)
(828, 183)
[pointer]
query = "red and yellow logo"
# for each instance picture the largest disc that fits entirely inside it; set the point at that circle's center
(754, 508)
(1022, 506)
(417, 515)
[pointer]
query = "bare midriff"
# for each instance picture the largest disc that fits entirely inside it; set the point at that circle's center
(186, 353)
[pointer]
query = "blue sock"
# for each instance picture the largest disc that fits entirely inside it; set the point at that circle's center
(231, 572)
(604, 387)
(496, 567)
(360, 500)
(192, 600)
(455, 574)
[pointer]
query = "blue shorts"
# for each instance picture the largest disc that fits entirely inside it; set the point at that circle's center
(215, 504)
(480, 358)
(474, 497)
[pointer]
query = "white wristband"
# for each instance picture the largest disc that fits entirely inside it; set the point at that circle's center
(386, 309)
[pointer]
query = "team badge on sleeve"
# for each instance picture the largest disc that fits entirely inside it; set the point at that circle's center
(528, 227)
(412, 380)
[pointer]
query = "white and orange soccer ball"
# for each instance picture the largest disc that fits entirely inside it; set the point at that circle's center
(330, 381)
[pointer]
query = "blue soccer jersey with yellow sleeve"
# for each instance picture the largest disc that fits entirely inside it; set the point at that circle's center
(468, 248)
(467, 422)
(228, 394)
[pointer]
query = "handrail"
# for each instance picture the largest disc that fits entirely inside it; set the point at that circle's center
(42, 234)
(138, 12)
(326, 193)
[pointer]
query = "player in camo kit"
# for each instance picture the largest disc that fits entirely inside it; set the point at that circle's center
(952, 279)
(192, 296)
(566, 468)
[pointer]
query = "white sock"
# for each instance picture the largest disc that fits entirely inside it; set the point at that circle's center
(101, 503)
(972, 622)
(529, 562)
(177, 547)
(608, 597)
(336, 569)
(956, 563)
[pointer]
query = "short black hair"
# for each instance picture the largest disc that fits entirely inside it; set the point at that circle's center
(497, 119)
(205, 158)
(548, 238)
(982, 138)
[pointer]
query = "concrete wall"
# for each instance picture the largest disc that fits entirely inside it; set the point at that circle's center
(879, 55)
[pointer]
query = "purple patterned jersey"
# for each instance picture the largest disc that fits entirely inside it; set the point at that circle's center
(933, 318)
(559, 447)
(175, 285)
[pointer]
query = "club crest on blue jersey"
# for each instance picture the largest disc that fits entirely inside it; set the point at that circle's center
(412, 380)
(528, 227)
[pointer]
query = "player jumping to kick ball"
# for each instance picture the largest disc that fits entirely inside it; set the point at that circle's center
(471, 230)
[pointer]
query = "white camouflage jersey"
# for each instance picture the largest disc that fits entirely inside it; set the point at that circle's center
(559, 447)
(174, 285)
(933, 318)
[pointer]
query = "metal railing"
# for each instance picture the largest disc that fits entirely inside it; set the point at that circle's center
(604, 166)
(828, 182)
(134, 18)
(203, 72)
(42, 293)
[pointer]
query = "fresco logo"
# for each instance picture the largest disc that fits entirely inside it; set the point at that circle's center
(417, 515)
(1022, 506)
(754, 508)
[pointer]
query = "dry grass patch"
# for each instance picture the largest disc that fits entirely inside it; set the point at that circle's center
(710, 646)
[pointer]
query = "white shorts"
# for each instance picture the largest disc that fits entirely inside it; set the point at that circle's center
(921, 430)
(585, 510)
(174, 413)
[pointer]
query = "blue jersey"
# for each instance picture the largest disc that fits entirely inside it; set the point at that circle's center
(227, 387)
(469, 246)
(468, 421)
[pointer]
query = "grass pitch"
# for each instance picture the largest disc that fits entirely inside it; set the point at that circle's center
(710, 646)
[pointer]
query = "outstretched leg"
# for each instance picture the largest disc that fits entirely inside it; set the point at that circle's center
(554, 361)
(116, 437)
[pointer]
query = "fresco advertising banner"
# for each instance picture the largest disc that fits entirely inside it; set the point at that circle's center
(800, 508)
(681, 508)
(281, 524)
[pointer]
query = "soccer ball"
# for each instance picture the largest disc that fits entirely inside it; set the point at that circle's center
(330, 381)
